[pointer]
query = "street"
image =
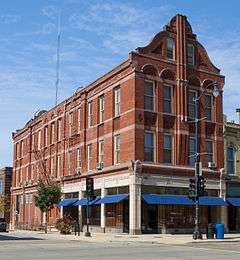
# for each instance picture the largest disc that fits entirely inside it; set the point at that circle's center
(23, 247)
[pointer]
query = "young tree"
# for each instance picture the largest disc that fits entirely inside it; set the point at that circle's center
(2, 204)
(48, 194)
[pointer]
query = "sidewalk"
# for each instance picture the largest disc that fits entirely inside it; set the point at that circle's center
(108, 237)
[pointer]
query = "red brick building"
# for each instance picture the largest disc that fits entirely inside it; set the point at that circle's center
(132, 131)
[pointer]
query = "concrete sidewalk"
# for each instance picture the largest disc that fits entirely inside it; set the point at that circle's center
(107, 237)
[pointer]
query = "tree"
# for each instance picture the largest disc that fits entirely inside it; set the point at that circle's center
(48, 194)
(2, 204)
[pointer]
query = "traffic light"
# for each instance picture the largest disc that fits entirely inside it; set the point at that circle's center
(201, 186)
(192, 189)
(90, 188)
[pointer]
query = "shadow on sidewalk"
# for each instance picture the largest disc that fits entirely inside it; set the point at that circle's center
(9, 237)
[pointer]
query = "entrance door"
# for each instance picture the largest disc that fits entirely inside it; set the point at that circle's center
(232, 214)
(152, 218)
(126, 216)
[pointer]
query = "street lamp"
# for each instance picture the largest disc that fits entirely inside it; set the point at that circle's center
(197, 233)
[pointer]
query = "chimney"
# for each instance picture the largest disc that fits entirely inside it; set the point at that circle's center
(238, 112)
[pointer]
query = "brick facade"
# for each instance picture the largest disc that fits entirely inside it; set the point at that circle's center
(77, 113)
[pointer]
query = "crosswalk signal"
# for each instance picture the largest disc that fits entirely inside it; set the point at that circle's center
(192, 188)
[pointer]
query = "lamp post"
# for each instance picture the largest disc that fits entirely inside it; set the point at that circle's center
(197, 233)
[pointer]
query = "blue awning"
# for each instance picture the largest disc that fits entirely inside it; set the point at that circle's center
(167, 199)
(234, 201)
(111, 199)
(83, 202)
(67, 202)
(211, 201)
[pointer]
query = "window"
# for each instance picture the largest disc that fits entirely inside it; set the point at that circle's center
(33, 143)
(59, 135)
(90, 115)
(46, 135)
(101, 151)
(1, 187)
(117, 101)
(230, 160)
(101, 109)
(116, 149)
(149, 146)
(149, 95)
(191, 103)
(69, 162)
(192, 151)
(78, 159)
(167, 103)
(70, 124)
(170, 49)
(208, 109)
(89, 157)
(52, 167)
(52, 133)
(39, 139)
(17, 150)
(21, 149)
(167, 148)
(209, 151)
(190, 54)
(79, 120)
(58, 166)
(38, 169)
(32, 172)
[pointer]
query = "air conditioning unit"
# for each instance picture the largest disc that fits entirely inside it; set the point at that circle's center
(211, 165)
(99, 166)
(78, 171)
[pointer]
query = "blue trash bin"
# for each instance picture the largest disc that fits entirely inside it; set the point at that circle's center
(219, 231)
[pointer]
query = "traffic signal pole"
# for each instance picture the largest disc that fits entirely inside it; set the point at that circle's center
(87, 233)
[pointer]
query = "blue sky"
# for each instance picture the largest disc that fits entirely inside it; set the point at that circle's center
(96, 35)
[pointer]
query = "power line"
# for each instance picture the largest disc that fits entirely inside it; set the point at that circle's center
(58, 57)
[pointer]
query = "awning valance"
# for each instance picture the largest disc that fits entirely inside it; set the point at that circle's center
(167, 199)
(112, 199)
(83, 202)
(211, 201)
(67, 202)
(234, 201)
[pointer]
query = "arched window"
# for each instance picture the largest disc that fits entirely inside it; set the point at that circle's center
(230, 160)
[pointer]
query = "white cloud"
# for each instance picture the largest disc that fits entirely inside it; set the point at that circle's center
(50, 11)
(9, 18)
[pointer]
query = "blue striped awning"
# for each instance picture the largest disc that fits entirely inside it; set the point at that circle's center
(211, 201)
(83, 202)
(67, 202)
(234, 201)
(111, 199)
(167, 199)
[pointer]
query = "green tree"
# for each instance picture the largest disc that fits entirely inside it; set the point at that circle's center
(48, 194)
(2, 204)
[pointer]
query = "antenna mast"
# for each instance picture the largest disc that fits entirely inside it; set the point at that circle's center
(58, 57)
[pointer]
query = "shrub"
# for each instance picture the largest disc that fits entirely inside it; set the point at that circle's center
(64, 225)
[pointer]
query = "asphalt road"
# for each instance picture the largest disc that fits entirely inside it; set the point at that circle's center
(14, 248)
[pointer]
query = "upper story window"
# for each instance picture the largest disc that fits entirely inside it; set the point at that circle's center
(101, 109)
(116, 149)
(52, 139)
(209, 151)
(33, 142)
(208, 107)
(69, 162)
(79, 120)
(149, 146)
(21, 149)
(117, 101)
(59, 135)
(78, 158)
(149, 95)
(190, 54)
(167, 148)
(58, 166)
(167, 102)
(101, 151)
(230, 160)
(70, 124)
(46, 135)
(39, 139)
(1, 187)
(191, 103)
(90, 114)
(192, 151)
(52, 166)
(170, 49)
(89, 157)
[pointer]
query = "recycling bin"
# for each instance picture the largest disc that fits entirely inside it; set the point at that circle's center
(219, 231)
